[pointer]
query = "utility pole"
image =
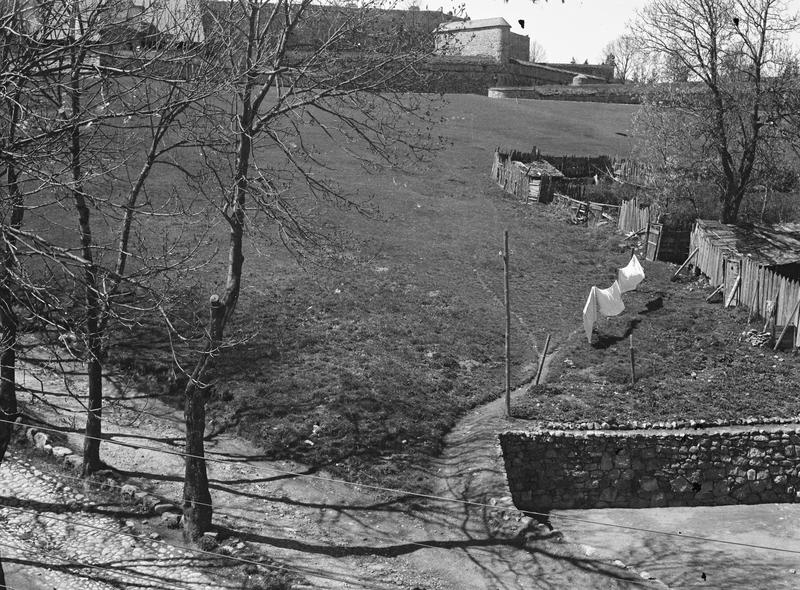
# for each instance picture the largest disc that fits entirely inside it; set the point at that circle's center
(508, 325)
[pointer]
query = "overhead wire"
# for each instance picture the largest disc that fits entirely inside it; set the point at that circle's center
(295, 569)
(70, 562)
(230, 514)
(434, 497)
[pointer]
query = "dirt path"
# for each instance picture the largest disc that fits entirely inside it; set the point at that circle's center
(344, 536)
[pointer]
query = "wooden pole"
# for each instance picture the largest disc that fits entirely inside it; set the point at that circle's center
(508, 324)
(687, 261)
(715, 291)
(788, 320)
(733, 292)
(753, 304)
(633, 362)
(541, 360)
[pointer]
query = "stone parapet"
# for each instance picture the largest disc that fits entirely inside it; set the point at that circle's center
(617, 469)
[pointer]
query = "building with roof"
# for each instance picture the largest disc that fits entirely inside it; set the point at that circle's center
(488, 37)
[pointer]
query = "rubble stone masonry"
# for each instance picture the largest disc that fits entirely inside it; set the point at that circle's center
(636, 469)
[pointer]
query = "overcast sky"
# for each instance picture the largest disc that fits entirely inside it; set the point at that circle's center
(572, 28)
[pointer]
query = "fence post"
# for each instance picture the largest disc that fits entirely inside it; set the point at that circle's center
(541, 360)
(508, 324)
(633, 364)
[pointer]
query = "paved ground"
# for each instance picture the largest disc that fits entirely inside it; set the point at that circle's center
(54, 537)
(682, 562)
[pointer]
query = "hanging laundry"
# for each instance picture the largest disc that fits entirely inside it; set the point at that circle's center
(601, 302)
(590, 314)
(630, 276)
(609, 301)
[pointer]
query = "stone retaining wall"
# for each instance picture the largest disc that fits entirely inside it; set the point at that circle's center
(645, 469)
(609, 93)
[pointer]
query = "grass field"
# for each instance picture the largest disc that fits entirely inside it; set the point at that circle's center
(383, 355)
(363, 368)
(691, 363)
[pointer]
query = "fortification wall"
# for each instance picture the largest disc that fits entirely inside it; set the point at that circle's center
(657, 468)
(462, 75)
(519, 46)
(604, 71)
(608, 93)
(491, 42)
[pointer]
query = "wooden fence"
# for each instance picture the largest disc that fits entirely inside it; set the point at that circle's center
(514, 180)
(767, 294)
(580, 166)
(633, 217)
(511, 178)
(596, 212)
(632, 171)
(661, 243)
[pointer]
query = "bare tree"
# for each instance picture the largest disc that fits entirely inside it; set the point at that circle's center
(297, 71)
(100, 108)
(537, 52)
(627, 58)
(734, 52)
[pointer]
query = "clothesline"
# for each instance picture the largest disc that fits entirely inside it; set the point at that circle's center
(608, 302)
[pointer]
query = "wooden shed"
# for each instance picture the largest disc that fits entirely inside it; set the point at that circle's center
(524, 174)
(756, 265)
(539, 174)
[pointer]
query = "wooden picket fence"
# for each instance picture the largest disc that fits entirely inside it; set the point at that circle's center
(580, 166)
(510, 178)
(661, 243)
(632, 171)
(595, 212)
(514, 180)
(633, 217)
(748, 282)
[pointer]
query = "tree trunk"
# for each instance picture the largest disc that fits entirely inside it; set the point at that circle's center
(197, 510)
(8, 392)
(731, 202)
(8, 354)
(91, 442)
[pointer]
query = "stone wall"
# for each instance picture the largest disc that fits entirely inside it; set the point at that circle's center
(491, 42)
(608, 93)
(519, 47)
(604, 71)
(638, 469)
(476, 75)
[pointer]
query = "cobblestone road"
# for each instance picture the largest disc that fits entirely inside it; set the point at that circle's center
(54, 537)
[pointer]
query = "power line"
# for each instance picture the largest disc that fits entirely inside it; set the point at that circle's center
(223, 512)
(297, 570)
(133, 575)
(434, 497)
(306, 571)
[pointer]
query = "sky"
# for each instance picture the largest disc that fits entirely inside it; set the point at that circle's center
(577, 29)
(574, 28)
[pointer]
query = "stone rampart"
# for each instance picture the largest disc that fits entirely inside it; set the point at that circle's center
(636, 469)
(543, 88)
(519, 46)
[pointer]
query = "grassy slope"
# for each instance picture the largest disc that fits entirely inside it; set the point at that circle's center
(384, 357)
(690, 363)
